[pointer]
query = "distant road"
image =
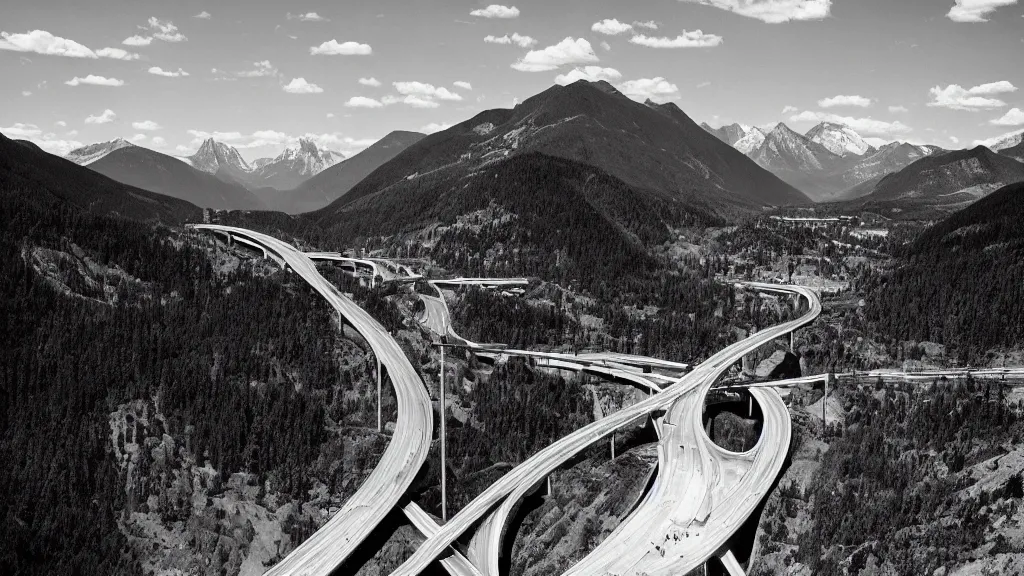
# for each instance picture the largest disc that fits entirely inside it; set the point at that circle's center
(329, 546)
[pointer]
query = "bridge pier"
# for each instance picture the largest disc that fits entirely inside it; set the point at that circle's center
(613, 445)
(380, 427)
(444, 472)
(731, 564)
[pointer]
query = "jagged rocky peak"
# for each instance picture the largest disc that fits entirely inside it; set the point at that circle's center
(839, 139)
(93, 152)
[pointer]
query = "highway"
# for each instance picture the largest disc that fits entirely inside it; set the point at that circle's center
(377, 267)
(537, 467)
(329, 546)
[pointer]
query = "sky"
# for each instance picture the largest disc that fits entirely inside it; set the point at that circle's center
(259, 75)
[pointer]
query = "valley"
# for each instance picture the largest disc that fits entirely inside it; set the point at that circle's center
(581, 335)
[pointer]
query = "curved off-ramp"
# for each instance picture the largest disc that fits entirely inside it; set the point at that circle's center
(329, 546)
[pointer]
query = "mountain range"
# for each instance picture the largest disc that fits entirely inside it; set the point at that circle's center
(653, 148)
(944, 183)
(48, 180)
(291, 167)
(334, 182)
(151, 170)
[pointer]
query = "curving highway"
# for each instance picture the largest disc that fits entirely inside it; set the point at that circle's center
(538, 466)
(329, 546)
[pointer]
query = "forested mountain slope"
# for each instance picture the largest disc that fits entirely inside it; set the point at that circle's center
(962, 282)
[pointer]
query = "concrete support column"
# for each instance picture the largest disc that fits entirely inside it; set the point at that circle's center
(444, 472)
(380, 427)
(613, 445)
(824, 401)
(731, 564)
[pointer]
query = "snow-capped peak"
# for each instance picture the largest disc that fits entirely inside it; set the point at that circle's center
(752, 141)
(303, 158)
(838, 139)
(1008, 142)
(93, 152)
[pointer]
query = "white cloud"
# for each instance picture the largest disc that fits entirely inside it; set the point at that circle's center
(462, 84)
(61, 123)
(182, 149)
(95, 81)
(841, 100)
(650, 25)
(704, 84)
(42, 42)
(259, 70)
(363, 102)
(589, 73)
(694, 39)
(300, 86)
(137, 41)
(954, 139)
(26, 92)
(897, 109)
(107, 116)
(116, 54)
(158, 141)
(410, 100)
(568, 51)
(168, 73)
(330, 114)
(20, 130)
(434, 127)
(515, 38)
(1015, 117)
(611, 27)
(863, 126)
(146, 125)
(496, 11)
(990, 142)
(204, 15)
(773, 11)
(428, 91)
(307, 17)
(955, 97)
(333, 48)
(657, 89)
(137, 138)
(47, 142)
(975, 10)
(605, 45)
(72, 133)
(369, 82)
(165, 31)
(789, 109)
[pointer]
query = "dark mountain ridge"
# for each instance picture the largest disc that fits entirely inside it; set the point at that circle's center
(594, 124)
(45, 179)
(944, 183)
(163, 174)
